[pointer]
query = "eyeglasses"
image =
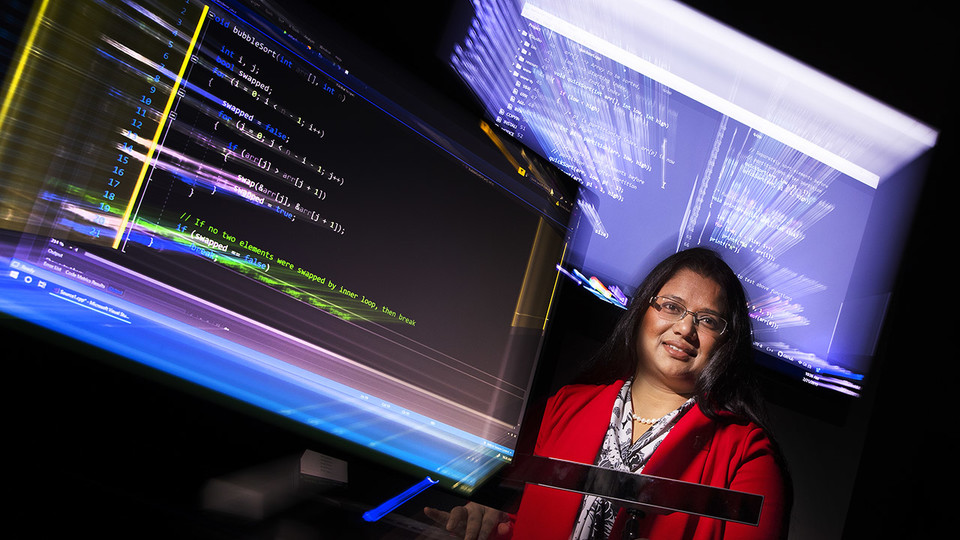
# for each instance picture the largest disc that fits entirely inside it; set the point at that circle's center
(674, 311)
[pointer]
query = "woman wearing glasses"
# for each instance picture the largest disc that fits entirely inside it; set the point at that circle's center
(672, 396)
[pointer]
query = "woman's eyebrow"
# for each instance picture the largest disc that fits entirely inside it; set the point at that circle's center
(684, 302)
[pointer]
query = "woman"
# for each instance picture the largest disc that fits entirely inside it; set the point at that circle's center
(672, 395)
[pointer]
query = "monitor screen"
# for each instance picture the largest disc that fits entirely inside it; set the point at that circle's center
(688, 133)
(209, 191)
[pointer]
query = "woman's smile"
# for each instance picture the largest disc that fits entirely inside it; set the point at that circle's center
(679, 351)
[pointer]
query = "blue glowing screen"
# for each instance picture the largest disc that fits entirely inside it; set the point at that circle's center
(686, 133)
(217, 196)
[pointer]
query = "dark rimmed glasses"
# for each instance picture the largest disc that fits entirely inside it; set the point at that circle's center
(673, 310)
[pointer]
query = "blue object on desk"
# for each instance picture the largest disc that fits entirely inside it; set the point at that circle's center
(388, 506)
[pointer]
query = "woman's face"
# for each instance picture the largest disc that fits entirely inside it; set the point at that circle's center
(673, 354)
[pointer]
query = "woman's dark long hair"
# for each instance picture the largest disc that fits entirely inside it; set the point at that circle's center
(728, 382)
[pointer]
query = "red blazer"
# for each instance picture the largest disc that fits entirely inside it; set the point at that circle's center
(697, 449)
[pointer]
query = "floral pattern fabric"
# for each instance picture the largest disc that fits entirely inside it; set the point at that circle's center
(620, 453)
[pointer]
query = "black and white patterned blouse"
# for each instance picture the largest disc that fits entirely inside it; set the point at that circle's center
(619, 452)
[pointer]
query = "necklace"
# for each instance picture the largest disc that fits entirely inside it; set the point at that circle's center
(642, 420)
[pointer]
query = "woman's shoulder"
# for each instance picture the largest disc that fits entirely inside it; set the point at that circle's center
(723, 422)
(585, 393)
(579, 405)
(575, 420)
(732, 433)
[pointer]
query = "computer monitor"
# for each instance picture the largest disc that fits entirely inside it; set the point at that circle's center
(211, 192)
(689, 133)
